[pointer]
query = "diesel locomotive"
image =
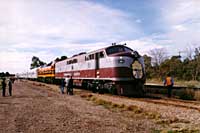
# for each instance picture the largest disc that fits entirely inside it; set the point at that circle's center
(116, 69)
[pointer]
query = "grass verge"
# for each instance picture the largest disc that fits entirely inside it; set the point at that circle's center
(141, 113)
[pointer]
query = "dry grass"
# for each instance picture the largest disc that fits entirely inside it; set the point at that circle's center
(182, 130)
(187, 94)
(170, 121)
(122, 107)
(197, 95)
(136, 111)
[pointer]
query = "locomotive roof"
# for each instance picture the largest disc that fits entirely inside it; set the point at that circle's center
(118, 46)
(101, 49)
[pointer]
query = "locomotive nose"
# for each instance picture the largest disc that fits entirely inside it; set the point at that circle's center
(138, 66)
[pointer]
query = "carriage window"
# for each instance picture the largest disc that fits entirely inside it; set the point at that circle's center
(101, 54)
(86, 58)
(74, 61)
(91, 56)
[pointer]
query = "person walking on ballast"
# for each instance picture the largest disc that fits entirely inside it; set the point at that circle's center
(169, 82)
(62, 86)
(3, 84)
(70, 86)
(10, 87)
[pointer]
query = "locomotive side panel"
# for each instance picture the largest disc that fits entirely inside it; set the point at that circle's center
(48, 71)
(116, 67)
(110, 68)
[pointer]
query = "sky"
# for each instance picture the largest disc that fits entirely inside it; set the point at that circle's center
(53, 28)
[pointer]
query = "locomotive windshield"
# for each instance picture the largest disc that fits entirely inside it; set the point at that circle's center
(117, 49)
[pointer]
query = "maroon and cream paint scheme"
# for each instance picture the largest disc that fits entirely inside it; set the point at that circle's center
(116, 67)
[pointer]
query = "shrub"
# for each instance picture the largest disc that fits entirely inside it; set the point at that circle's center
(197, 95)
(187, 94)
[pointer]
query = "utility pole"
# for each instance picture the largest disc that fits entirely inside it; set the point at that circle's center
(179, 53)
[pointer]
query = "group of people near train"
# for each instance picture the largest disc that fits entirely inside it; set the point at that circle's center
(4, 84)
(67, 82)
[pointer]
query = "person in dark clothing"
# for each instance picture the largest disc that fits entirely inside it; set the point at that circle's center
(62, 86)
(10, 87)
(3, 84)
(70, 86)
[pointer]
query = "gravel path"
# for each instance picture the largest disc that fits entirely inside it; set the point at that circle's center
(34, 108)
(176, 116)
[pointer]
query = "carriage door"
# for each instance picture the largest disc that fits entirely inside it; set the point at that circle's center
(97, 65)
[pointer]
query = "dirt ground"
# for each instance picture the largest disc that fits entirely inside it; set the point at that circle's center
(36, 108)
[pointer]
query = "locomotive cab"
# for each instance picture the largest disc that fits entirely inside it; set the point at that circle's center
(130, 70)
(129, 58)
(117, 69)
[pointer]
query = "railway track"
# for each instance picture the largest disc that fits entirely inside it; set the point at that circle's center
(175, 103)
(195, 105)
(158, 86)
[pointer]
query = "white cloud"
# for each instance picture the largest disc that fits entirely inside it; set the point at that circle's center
(48, 28)
(71, 20)
(138, 21)
(18, 61)
(182, 17)
(180, 28)
(143, 45)
(181, 11)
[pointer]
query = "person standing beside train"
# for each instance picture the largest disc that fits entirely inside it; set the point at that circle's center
(10, 87)
(169, 82)
(3, 85)
(62, 86)
(70, 86)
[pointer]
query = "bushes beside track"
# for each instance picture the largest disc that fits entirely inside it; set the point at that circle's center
(185, 93)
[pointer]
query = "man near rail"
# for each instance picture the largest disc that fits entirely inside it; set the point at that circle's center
(69, 86)
(10, 87)
(62, 86)
(3, 84)
(169, 82)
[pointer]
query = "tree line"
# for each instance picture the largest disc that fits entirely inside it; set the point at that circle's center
(4, 74)
(36, 62)
(158, 65)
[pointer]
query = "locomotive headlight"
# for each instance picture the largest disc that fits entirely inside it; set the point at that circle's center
(121, 60)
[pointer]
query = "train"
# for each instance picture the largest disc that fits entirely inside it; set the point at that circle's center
(116, 69)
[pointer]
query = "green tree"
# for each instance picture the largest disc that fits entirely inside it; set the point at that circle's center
(148, 67)
(36, 62)
(196, 73)
(61, 58)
